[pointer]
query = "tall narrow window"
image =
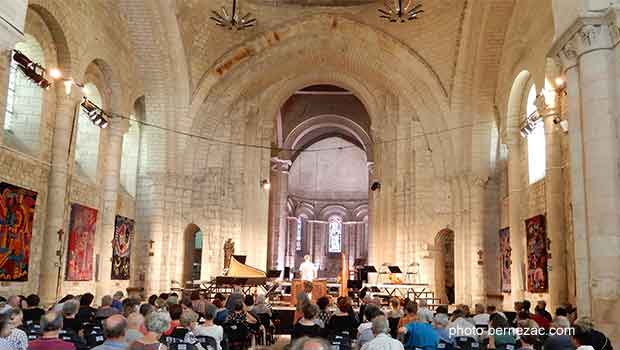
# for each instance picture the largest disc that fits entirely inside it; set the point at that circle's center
(87, 138)
(335, 234)
(535, 142)
(24, 103)
(298, 234)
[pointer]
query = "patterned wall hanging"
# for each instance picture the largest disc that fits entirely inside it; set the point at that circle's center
(505, 259)
(80, 248)
(121, 247)
(16, 217)
(537, 256)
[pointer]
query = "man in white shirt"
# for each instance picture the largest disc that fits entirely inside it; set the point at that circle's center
(307, 269)
(382, 341)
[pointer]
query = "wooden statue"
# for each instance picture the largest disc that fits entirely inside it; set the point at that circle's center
(229, 250)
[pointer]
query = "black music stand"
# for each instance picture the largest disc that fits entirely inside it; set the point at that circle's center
(394, 269)
(274, 273)
(370, 268)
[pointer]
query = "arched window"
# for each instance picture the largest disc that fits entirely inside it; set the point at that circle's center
(535, 142)
(335, 235)
(197, 255)
(129, 160)
(299, 233)
(24, 101)
(131, 149)
(87, 139)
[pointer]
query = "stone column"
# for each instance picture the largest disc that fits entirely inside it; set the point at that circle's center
(57, 196)
(280, 168)
(111, 183)
(596, 200)
(517, 237)
(477, 187)
(554, 194)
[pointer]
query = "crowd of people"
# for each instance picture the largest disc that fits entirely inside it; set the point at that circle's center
(164, 321)
(411, 324)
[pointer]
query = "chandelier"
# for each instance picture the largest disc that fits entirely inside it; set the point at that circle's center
(233, 20)
(396, 12)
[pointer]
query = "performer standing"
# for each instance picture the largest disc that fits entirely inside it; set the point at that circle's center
(307, 269)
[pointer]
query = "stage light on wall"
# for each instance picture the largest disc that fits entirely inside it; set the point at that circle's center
(96, 115)
(559, 82)
(265, 185)
(33, 71)
(529, 124)
(563, 124)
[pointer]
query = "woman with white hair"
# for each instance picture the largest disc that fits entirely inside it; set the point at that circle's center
(261, 306)
(156, 323)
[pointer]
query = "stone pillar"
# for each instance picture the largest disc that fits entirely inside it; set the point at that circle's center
(590, 42)
(111, 183)
(280, 169)
(372, 207)
(554, 194)
(517, 237)
(477, 187)
(57, 196)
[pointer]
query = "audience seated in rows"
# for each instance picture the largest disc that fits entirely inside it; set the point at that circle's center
(382, 340)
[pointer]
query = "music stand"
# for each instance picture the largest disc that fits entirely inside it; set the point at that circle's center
(370, 268)
(273, 273)
(354, 284)
(394, 269)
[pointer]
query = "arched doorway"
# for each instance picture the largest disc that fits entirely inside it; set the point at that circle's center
(192, 265)
(444, 265)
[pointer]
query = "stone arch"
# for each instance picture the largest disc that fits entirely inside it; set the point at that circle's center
(333, 210)
(300, 137)
(444, 266)
(518, 94)
(193, 253)
(430, 102)
(55, 19)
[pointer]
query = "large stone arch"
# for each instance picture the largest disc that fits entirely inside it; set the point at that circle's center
(55, 17)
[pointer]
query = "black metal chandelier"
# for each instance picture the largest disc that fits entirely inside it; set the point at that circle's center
(233, 20)
(396, 12)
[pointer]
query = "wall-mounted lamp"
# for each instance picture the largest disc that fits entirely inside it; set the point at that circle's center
(265, 185)
(375, 186)
(563, 124)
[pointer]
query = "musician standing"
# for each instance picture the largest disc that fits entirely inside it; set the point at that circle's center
(307, 269)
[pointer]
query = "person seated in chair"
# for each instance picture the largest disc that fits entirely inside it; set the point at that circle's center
(307, 326)
(342, 322)
(208, 328)
(420, 335)
(440, 324)
(382, 340)
(156, 324)
(364, 331)
(51, 325)
(500, 339)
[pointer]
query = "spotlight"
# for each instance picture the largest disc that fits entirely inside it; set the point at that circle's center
(31, 70)
(55, 73)
(559, 82)
(94, 113)
(265, 185)
(375, 186)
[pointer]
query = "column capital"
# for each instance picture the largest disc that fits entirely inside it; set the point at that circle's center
(281, 165)
(589, 33)
(118, 126)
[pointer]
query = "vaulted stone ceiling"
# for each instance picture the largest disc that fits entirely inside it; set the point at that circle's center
(435, 36)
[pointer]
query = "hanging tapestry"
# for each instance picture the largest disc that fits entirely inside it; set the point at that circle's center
(16, 216)
(505, 259)
(81, 243)
(537, 273)
(121, 247)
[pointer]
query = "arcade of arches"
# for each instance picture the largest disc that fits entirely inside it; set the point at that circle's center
(477, 144)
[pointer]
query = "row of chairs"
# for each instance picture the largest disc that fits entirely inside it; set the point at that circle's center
(93, 335)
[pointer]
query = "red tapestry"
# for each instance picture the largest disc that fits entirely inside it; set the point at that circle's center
(81, 243)
(537, 272)
(16, 217)
(505, 259)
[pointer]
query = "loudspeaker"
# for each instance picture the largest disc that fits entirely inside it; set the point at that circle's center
(287, 273)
